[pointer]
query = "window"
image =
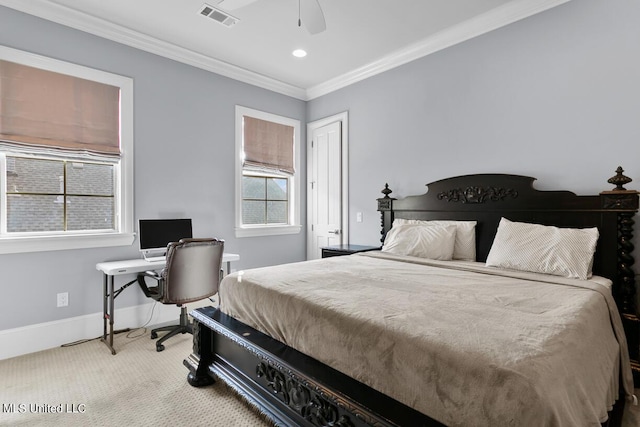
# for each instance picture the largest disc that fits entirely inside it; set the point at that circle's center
(66, 146)
(59, 195)
(267, 178)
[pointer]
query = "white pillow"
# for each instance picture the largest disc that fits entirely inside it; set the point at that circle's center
(465, 246)
(424, 242)
(566, 252)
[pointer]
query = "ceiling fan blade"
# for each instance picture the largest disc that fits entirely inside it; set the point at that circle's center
(234, 4)
(312, 16)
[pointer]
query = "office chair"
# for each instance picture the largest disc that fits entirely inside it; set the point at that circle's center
(192, 273)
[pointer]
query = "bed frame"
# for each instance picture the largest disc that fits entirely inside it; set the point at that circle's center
(291, 388)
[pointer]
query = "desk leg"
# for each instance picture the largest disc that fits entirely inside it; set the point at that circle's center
(111, 314)
(108, 312)
(105, 312)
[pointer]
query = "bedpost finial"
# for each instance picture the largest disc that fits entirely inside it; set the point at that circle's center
(619, 180)
(386, 191)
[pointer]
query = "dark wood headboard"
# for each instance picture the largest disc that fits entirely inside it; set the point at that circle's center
(488, 197)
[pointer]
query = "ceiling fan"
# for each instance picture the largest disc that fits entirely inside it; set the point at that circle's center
(309, 13)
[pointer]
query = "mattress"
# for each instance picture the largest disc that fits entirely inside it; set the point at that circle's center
(462, 343)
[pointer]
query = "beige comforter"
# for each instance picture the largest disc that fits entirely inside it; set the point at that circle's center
(465, 348)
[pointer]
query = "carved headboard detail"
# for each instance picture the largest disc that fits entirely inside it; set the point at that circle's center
(477, 194)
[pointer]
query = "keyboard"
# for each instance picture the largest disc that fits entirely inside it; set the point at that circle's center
(155, 258)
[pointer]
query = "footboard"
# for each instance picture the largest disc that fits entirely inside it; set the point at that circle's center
(287, 386)
(291, 388)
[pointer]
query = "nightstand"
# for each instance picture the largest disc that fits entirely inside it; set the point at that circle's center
(338, 250)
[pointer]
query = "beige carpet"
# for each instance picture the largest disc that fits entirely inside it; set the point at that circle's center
(136, 387)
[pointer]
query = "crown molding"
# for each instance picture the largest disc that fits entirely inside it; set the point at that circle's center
(81, 21)
(476, 26)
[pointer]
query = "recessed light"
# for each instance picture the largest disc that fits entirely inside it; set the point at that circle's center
(299, 53)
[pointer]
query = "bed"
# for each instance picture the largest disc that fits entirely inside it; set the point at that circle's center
(399, 338)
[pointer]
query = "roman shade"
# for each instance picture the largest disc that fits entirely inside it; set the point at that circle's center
(45, 110)
(268, 145)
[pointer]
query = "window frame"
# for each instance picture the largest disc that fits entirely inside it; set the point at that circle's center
(123, 234)
(252, 230)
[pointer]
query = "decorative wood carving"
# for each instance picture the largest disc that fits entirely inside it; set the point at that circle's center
(386, 191)
(624, 200)
(626, 261)
(196, 338)
(477, 194)
(384, 205)
(618, 201)
(313, 407)
(619, 180)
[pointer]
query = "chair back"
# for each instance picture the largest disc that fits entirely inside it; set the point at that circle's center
(192, 271)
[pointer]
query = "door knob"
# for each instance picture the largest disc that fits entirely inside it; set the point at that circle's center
(336, 231)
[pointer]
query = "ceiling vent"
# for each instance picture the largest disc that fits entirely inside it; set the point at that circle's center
(218, 15)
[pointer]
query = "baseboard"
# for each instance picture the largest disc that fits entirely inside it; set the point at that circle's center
(43, 336)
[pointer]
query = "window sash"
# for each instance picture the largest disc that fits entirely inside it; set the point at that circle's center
(64, 199)
(273, 208)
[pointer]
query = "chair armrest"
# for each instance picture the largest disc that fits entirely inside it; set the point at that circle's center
(154, 292)
(153, 274)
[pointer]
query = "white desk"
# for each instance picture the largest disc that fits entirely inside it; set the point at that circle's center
(111, 269)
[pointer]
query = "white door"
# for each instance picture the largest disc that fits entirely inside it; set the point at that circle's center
(326, 187)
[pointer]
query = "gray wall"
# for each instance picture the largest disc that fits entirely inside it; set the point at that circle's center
(555, 96)
(184, 150)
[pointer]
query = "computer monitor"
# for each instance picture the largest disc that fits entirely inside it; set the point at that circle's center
(156, 234)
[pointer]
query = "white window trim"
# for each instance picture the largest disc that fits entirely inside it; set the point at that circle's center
(294, 226)
(124, 183)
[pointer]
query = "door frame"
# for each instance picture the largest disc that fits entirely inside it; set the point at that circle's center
(344, 169)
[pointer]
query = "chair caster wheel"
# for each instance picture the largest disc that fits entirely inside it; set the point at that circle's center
(154, 335)
(159, 347)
